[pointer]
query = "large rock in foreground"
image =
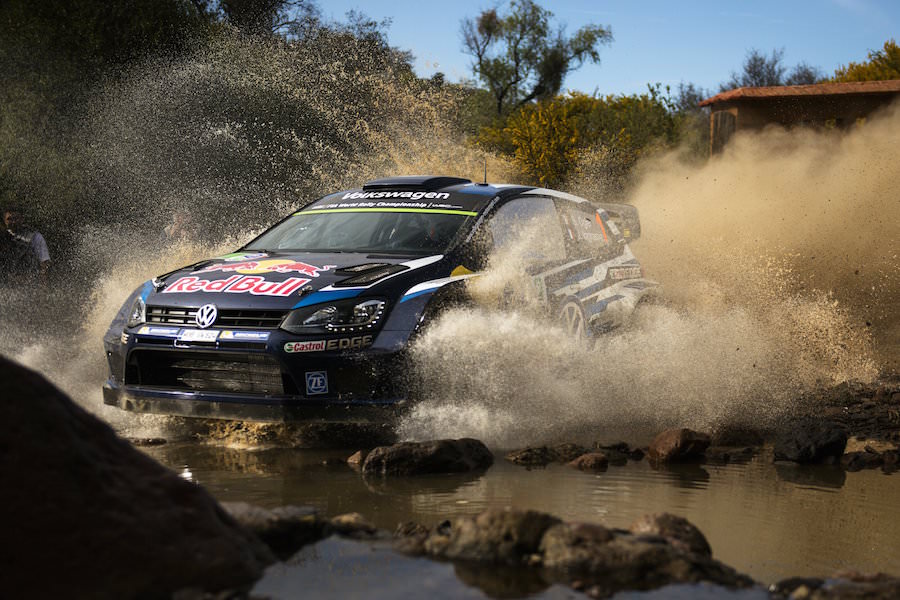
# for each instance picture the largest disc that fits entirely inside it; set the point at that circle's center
(810, 440)
(421, 458)
(88, 516)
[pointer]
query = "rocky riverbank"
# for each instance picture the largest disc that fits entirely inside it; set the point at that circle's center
(88, 515)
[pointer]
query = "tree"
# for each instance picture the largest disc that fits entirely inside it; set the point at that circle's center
(264, 17)
(760, 70)
(804, 74)
(546, 139)
(519, 59)
(882, 64)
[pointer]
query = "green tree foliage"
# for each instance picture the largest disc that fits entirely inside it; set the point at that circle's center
(882, 64)
(546, 139)
(520, 58)
(760, 70)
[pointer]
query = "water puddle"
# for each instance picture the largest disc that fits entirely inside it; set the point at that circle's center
(769, 521)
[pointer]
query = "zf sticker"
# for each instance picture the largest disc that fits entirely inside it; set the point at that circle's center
(316, 382)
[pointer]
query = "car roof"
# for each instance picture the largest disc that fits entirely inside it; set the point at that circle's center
(472, 196)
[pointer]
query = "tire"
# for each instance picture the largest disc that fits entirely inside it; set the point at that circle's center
(573, 319)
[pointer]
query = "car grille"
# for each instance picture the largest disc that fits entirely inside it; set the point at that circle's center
(235, 319)
(240, 372)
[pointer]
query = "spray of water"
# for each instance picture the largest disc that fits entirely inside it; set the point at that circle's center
(779, 263)
(230, 138)
(773, 256)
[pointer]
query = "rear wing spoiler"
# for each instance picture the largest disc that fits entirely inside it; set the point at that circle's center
(625, 218)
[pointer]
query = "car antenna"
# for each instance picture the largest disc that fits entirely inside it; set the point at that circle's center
(485, 170)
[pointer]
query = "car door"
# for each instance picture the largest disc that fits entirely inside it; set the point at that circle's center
(527, 234)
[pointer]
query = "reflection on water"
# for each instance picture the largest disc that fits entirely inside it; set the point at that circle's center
(337, 568)
(769, 521)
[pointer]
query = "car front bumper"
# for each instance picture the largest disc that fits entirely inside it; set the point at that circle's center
(205, 405)
(257, 380)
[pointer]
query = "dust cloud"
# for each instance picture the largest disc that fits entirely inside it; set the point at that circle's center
(780, 270)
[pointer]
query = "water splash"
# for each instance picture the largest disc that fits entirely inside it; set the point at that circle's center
(780, 268)
(774, 256)
(230, 138)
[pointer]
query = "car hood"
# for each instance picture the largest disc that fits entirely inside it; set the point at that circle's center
(277, 280)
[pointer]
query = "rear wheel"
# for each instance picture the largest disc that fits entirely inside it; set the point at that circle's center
(574, 320)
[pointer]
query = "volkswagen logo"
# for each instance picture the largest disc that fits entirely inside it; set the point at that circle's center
(206, 315)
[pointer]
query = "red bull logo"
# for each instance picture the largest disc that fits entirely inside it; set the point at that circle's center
(254, 267)
(237, 284)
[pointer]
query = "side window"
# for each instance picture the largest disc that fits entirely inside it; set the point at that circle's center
(532, 222)
(593, 235)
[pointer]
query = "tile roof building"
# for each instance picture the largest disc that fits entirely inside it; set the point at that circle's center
(837, 105)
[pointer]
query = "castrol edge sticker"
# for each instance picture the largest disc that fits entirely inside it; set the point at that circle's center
(237, 284)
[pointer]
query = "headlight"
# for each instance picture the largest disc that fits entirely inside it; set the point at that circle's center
(137, 314)
(350, 315)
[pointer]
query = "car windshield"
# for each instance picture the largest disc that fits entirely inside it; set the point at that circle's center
(384, 231)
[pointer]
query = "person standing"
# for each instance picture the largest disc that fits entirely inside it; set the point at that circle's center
(23, 251)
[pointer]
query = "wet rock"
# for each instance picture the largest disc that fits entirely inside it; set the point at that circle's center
(502, 536)
(353, 525)
(541, 456)
(857, 461)
(861, 444)
(891, 461)
(617, 454)
(357, 459)
(662, 550)
(720, 455)
(606, 561)
(855, 586)
(678, 531)
(674, 445)
(592, 461)
(620, 447)
(410, 537)
(538, 456)
(284, 529)
(575, 548)
(810, 440)
(567, 452)
(95, 517)
(636, 455)
(410, 528)
(419, 458)
(798, 585)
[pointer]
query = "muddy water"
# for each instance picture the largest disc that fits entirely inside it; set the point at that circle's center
(769, 521)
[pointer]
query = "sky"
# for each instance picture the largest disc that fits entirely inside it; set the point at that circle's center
(667, 42)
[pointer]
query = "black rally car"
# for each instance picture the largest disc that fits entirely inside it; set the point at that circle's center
(311, 320)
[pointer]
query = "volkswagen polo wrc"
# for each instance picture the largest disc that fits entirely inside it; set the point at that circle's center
(312, 319)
